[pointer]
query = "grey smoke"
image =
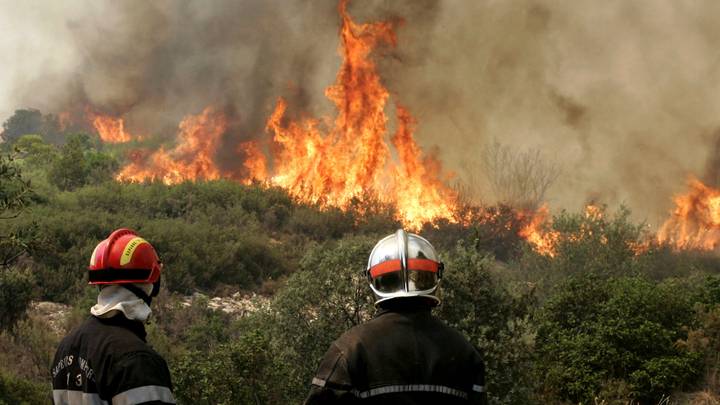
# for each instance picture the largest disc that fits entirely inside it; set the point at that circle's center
(624, 96)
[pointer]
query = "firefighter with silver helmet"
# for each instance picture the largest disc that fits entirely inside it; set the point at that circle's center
(106, 360)
(404, 355)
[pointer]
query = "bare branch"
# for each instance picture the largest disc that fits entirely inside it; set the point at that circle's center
(519, 178)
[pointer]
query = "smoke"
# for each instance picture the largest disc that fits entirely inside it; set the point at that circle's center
(624, 96)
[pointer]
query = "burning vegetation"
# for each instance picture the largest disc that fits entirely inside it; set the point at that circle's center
(695, 221)
(331, 161)
(110, 129)
(192, 158)
(335, 161)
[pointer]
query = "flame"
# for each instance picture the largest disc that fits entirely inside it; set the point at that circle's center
(594, 212)
(111, 129)
(350, 159)
(330, 161)
(695, 221)
(538, 233)
(255, 162)
(191, 159)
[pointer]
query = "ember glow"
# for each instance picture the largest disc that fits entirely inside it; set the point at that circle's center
(328, 161)
(191, 159)
(695, 221)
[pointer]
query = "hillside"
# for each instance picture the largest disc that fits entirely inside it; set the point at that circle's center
(598, 320)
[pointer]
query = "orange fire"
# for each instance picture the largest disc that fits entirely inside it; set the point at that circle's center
(539, 234)
(594, 212)
(351, 159)
(191, 159)
(330, 162)
(544, 239)
(111, 129)
(255, 162)
(695, 222)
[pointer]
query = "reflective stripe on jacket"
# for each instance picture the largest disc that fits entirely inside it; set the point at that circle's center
(404, 355)
(107, 361)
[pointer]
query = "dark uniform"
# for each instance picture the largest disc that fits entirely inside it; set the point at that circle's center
(107, 361)
(404, 355)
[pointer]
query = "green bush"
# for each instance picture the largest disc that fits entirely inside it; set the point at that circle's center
(16, 290)
(18, 391)
(595, 330)
(495, 321)
(240, 372)
(80, 163)
(324, 298)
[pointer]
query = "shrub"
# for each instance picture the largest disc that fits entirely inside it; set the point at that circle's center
(496, 322)
(325, 297)
(594, 330)
(16, 290)
(17, 391)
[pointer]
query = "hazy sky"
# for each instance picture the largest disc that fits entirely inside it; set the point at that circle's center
(623, 95)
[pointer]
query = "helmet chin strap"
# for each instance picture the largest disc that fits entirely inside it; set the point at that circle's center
(138, 292)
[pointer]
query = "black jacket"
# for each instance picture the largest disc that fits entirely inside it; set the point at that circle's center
(106, 361)
(404, 355)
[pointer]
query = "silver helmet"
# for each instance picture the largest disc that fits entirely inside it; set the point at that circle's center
(403, 265)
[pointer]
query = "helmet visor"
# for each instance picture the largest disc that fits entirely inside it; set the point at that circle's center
(388, 277)
(390, 282)
(422, 274)
(421, 280)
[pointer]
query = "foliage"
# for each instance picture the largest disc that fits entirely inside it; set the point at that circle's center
(495, 321)
(15, 284)
(16, 290)
(80, 163)
(34, 151)
(592, 242)
(606, 319)
(15, 191)
(240, 372)
(325, 297)
(14, 390)
(594, 331)
(31, 121)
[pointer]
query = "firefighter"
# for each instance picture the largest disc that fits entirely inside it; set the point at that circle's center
(106, 360)
(404, 355)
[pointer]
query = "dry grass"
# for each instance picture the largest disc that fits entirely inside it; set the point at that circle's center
(705, 397)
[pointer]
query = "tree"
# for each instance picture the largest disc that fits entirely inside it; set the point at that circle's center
(23, 122)
(80, 164)
(15, 294)
(15, 285)
(34, 151)
(15, 195)
(31, 121)
(517, 178)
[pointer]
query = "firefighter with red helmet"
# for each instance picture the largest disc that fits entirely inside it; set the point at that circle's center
(404, 355)
(106, 360)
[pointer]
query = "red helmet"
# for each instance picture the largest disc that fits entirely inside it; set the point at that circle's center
(124, 258)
